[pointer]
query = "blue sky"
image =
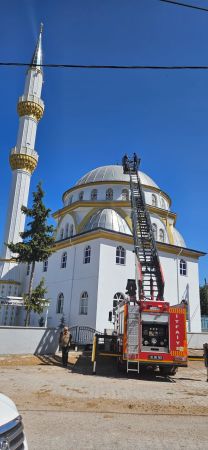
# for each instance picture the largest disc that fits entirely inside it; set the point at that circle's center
(92, 117)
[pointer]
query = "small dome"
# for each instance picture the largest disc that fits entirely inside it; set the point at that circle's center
(108, 219)
(178, 239)
(112, 173)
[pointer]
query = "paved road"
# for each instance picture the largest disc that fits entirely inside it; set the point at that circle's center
(71, 409)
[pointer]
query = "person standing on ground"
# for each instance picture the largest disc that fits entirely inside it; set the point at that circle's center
(65, 342)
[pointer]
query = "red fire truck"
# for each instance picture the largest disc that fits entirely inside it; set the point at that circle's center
(148, 331)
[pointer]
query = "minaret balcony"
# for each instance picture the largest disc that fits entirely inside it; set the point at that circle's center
(30, 105)
(24, 158)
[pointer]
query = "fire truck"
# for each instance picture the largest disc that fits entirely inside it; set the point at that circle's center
(148, 332)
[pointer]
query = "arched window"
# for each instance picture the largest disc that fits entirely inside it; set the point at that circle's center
(162, 203)
(161, 235)
(83, 305)
(45, 265)
(120, 255)
(63, 260)
(81, 196)
(87, 255)
(109, 194)
(154, 229)
(154, 200)
(183, 267)
(2, 290)
(70, 200)
(15, 291)
(125, 194)
(62, 234)
(60, 304)
(94, 194)
(67, 231)
(28, 269)
(71, 231)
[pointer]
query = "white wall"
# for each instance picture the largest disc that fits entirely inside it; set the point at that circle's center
(23, 341)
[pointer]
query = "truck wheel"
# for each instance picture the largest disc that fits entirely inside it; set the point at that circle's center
(168, 370)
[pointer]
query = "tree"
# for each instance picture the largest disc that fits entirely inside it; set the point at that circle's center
(36, 301)
(37, 240)
(204, 299)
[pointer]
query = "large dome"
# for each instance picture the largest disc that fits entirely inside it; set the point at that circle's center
(112, 173)
(109, 219)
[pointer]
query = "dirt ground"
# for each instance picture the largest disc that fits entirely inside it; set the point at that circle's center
(73, 409)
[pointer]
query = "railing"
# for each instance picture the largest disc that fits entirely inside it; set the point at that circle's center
(82, 335)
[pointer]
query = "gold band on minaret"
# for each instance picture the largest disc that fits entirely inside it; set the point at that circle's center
(29, 108)
(24, 162)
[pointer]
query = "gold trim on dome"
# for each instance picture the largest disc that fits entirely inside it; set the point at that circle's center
(28, 108)
(22, 161)
(113, 236)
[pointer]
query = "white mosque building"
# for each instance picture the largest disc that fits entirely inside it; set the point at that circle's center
(94, 245)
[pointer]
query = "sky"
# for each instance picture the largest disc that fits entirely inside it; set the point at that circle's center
(93, 117)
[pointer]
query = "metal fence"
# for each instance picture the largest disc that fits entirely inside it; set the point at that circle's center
(82, 335)
(204, 323)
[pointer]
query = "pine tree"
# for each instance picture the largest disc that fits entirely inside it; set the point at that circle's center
(37, 240)
(36, 301)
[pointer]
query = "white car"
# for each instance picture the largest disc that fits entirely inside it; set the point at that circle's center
(12, 436)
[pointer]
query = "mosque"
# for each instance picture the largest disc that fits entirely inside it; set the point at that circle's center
(94, 245)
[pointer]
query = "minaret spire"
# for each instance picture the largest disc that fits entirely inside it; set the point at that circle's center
(37, 59)
(23, 157)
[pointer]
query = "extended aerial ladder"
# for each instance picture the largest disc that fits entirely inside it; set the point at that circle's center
(150, 277)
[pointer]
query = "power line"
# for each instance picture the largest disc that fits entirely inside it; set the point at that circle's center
(108, 67)
(186, 5)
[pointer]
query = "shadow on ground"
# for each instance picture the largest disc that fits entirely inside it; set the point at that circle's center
(106, 367)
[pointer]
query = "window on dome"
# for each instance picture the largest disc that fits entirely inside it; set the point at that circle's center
(83, 304)
(81, 196)
(87, 255)
(62, 234)
(71, 232)
(70, 200)
(125, 194)
(9, 290)
(60, 304)
(162, 203)
(45, 265)
(67, 230)
(63, 260)
(2, 290)
(154, 229)
(120, 255)
(94, 194)
(161, 235)
(183, 267)
(154, 200)
(109, 194)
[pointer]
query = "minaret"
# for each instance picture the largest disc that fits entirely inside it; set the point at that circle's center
(23, 157)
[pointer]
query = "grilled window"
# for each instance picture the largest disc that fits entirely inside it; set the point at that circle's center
(87, 255)
(154, 200)
(62, 234)
(60, 304)
(71, 231)
(125, 194)
(45, 265)
(83, 305)
(94, 194)
(162, 203)
(67, 230)
(183, 267)
(63, 260)
(120, 255)
(109, 194)
(81, 196)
